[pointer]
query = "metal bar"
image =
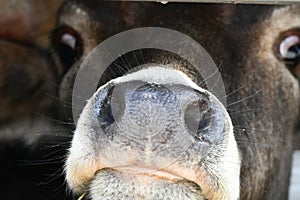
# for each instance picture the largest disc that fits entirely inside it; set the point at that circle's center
(274, 2)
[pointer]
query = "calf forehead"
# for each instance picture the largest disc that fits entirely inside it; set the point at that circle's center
(207, 23)
(234, 35)
(217, 27)
(240, 38)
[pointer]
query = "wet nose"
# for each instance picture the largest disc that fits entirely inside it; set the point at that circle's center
(149, 105)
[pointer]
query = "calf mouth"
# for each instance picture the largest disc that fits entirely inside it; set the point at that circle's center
(141, 185)
(154, 134)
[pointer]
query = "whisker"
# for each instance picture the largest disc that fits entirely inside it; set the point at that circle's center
(211, 75)
(54, 120)
(67, 90)
(53, 152)
(136, 59)
(246, 98)
(119, 68)
(142, 56)
(57, 192)
(65, 103)
(236, 90)
(123, 61)
(245, 111)
(218, 79)
(52, 177)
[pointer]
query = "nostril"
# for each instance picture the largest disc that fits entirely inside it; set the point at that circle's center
(103, 107)
(197, 116)
(109, 105)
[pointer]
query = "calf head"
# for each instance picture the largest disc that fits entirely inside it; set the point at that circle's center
(156, 129)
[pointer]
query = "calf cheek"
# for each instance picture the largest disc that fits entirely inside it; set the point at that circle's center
(264, 110)
(26, 80)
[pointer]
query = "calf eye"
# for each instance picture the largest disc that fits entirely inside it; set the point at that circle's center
(289, 51)
(67, 44)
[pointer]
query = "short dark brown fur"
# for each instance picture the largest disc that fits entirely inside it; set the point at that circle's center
(262, 99)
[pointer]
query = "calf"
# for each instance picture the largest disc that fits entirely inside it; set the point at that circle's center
(185, 101)
(160, 126)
